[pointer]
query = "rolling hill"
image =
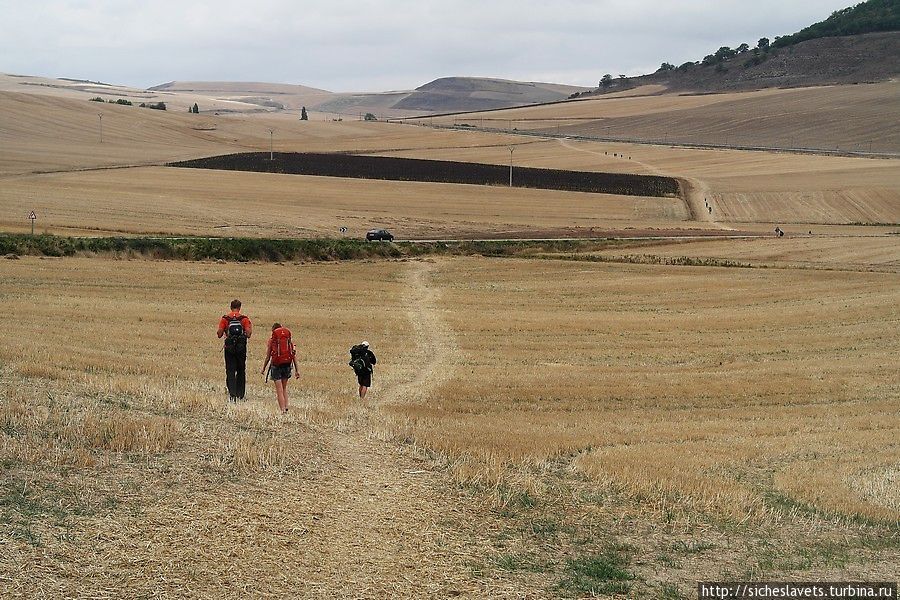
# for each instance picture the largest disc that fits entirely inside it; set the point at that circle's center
(858, 44)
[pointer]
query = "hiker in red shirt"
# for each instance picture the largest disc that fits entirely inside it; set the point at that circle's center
(282, 354)
(236, 328)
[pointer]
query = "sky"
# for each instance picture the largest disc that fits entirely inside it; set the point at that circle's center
(379, 45)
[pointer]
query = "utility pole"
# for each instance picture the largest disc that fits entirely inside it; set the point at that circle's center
(511, 150)
(100, 115)
(271, 153)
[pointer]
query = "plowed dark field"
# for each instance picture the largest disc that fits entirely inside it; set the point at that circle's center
(438, 171)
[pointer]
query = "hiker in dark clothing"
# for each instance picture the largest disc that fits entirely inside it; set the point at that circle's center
(236, 328)
(362, 359)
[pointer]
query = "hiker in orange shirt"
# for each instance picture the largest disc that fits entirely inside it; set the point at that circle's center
(237, 329)
(282, 354)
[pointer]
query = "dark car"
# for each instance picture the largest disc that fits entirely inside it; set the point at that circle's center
(379, 235)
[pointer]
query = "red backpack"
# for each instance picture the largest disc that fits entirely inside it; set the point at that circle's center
(281, 349)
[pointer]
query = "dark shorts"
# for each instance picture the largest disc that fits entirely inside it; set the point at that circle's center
(364, 378)
(277, 372)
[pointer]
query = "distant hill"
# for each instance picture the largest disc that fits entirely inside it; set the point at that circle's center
(249, 88)
(866, 17)
(277, 96)
(449, 94)
(440, 95)
(858, 44)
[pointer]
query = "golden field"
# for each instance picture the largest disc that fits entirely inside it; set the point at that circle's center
(45, 138)
(848, 117)
(545, 407)
(533, 421)
(159, 200)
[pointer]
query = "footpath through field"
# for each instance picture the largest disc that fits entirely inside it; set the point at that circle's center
(384, 523)
(391, 526)
(697, 197)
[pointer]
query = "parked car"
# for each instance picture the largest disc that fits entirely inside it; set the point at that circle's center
(379, 235)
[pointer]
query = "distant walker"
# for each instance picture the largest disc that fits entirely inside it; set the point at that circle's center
(362, 360)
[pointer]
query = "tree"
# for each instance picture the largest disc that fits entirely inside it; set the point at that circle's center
(195, 109)
(743, 48)
(303, 115)
(370, 117)
(763, 44)
(665, 67)
(725, 53)
(606, 81)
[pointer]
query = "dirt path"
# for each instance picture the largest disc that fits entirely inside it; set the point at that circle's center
(390, 526)
(436, 348)
(697, 197)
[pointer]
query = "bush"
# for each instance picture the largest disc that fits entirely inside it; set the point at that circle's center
(97, 99)
(370, 117)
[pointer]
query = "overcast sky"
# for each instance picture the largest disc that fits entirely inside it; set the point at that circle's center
(375, 45)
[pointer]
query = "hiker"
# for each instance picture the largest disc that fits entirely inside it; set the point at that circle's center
(282, 353)
(362, 359)
(237, 329)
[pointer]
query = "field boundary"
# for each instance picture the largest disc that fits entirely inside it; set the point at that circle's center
(314, 250)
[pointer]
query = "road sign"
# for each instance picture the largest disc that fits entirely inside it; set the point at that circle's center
(343, 230)
(32, 216)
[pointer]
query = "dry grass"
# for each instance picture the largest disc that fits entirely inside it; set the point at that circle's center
(585, 399)
(731, 407)
(704, 386)
(871, 253)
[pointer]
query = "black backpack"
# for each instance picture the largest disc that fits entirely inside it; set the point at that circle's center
(235, 338)
(359, 359)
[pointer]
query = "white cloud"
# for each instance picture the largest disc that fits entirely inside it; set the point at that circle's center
(347, 45)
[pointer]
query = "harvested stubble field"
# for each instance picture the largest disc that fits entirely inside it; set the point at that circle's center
(678, 423)
(169, 201)
(860, 253)
(848, 117)
(539, 427)
(40, 134)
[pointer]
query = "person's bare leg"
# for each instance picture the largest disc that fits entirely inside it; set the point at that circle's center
(362, 392)
(279, 393)
(284, 394)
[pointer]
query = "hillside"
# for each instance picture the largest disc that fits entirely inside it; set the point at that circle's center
(865, 17)
(858, 44)
(278, 96)
(823, 61)
(441, 95)
(477, 93)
